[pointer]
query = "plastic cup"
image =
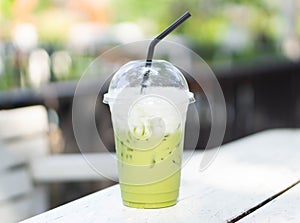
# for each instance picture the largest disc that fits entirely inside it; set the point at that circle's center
(149, 131)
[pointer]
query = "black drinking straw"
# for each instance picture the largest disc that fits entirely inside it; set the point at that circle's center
(153, 43)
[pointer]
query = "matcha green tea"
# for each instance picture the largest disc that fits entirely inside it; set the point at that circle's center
(149, 132)
(163, 191)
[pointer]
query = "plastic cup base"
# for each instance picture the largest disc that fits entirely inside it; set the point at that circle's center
(149, 205)
(149, 200)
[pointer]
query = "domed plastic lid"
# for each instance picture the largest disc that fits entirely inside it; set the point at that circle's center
(135, 74)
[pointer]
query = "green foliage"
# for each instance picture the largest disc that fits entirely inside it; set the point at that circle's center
(43, 5)
(6, 8)
(205, 30)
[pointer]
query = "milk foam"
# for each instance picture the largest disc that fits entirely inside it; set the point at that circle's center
(158, 109)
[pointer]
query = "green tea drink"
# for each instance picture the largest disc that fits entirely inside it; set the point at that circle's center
(149, 165)
(149, 134)
(160, 193)
(149, 149)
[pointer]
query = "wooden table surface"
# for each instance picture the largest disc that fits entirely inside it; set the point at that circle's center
(254, 179)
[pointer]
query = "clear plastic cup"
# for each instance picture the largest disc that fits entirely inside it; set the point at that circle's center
(149, 125)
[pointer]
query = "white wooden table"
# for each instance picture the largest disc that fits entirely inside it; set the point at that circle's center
(245, 175)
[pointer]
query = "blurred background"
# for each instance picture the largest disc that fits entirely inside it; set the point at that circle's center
(252, 46)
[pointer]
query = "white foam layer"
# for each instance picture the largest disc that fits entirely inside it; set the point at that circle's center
(152, 113)
(158, 109)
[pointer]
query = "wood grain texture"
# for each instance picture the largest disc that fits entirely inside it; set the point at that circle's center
(22, 122)
(23, 150)
(22, 207)
(73, 167)
(244, 173)
(14, 183)
(23, 137)
(283, 209)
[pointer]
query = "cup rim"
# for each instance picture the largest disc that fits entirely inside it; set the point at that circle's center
(111, 97)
